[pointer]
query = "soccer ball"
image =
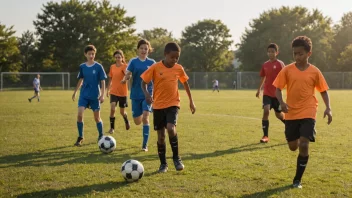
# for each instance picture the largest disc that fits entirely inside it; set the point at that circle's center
(132, 170)
(107, 144)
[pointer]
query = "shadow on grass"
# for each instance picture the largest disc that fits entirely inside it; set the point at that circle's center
(62, 155)
(249, 147)
(77, 191)
(268, 193)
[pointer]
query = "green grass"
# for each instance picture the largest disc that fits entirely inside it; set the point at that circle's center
(219, 145)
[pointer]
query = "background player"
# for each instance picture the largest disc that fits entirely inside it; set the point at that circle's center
(268, 73)
(140, 108)
(117, 90)
(92, 75)
(37, 88)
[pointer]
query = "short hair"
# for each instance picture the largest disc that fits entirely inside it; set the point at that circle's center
(120, 52)
(273, 46)
(145, 42)
(90, 48)
(303, 41)
(172, 47)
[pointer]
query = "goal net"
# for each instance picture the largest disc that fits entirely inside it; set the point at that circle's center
(24, 80)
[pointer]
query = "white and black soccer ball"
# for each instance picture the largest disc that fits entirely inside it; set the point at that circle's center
(132, 170)
(107, 144)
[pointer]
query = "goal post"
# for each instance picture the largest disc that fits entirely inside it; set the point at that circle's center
(24, 80)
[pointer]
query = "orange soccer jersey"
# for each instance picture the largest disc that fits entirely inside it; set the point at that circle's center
(116, 74)
(301, 86)
(165, 84)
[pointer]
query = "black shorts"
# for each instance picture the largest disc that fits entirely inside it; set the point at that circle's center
(122, 100)
(164, 116)
(36, 90)
(273, 102)
(294, 129)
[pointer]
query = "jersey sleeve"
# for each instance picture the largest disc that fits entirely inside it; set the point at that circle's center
(148, 75)
(80, 73)
(321, 85)
(130, 66)
(262, 72)
(183, 76)
(102, 74)
(281, 79)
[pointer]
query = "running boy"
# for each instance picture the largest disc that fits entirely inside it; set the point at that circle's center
(93, 76)
(301, 79)
(166, 101)
(117, 90)
(140, 108)
(268, 73)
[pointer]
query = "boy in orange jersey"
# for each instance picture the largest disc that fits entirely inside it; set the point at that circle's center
(117, 90)
(301, 79)
(166, 101)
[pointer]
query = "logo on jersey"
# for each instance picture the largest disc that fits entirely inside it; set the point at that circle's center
(274, 66)
(93, 71)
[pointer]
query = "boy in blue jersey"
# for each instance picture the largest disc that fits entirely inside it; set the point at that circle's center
(140, 108)
(93, 76)
(37, 88)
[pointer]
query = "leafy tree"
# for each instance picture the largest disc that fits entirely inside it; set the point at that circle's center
(345, 60)
(27, 45)
(9, 53)
(158, 37)
(342, 40)
(281, 26)
(205, 46)
(65, 28)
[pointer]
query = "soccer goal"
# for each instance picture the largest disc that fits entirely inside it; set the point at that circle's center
(24, 80)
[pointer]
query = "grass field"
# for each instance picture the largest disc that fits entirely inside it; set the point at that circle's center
(219, 146)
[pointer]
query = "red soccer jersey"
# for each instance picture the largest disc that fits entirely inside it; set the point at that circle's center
(270, 70)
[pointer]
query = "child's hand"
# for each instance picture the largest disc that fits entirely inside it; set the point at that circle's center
(284, 107)
(107, 94)
(328, 113)
(123, 81)
(149, 99)
(74, 96)
(192, 107)
(257, 94)
(101, 99)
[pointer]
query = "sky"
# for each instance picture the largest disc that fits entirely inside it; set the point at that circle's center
(176, 15)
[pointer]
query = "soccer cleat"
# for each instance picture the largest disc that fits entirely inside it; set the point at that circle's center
(79, 141)
(145, 148)
(99, 137)
(178, 164)
(111, 131)
(29, 100)
(163, 168)
(127, 123)
(297, 184)
(265, 139)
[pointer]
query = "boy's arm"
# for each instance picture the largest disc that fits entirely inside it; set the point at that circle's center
(327, 112)
(188, 91)
(262, 79)
(283, 105)
(79, 83)
(108, 87)
(102, 85)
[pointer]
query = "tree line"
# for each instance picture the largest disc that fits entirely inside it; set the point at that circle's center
(63, 29)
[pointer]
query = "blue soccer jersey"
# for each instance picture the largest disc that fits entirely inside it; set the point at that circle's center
(92, 75)
(137, 67)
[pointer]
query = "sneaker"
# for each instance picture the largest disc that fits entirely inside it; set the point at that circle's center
(163, 168)
(127, 123)
(297, 184)
(264, 139)
(178, 164)
(145, 148)
(79, 141)
(100, 136)
(29, 100)
(111, 131)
